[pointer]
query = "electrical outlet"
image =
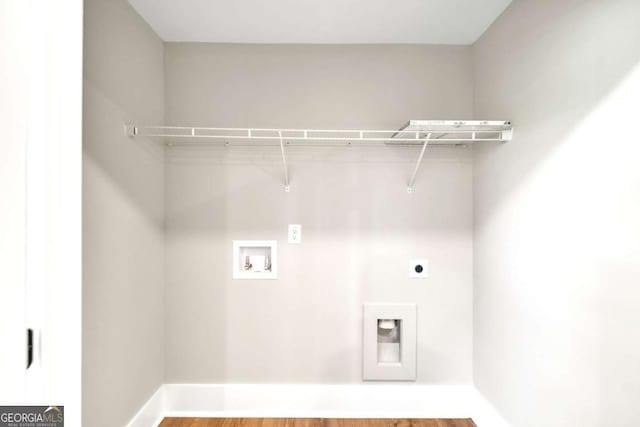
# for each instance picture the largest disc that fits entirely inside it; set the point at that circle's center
(419, 268)
(295, 233)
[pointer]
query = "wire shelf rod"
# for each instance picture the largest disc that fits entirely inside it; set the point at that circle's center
(317, 138)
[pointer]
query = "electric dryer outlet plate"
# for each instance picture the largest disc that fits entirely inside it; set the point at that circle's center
(419, 268)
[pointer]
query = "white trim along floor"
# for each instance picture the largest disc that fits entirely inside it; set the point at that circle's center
(317, 401)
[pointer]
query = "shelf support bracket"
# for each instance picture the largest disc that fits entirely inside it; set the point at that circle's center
(507, 135)
(284, 163)
(130, 130)
(415, 170)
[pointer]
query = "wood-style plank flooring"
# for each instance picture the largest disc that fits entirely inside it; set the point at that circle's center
(313, 422)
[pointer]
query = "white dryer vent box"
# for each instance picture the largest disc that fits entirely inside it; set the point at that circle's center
(389, 342)
(419, 268)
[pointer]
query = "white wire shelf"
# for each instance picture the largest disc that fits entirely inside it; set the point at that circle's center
(443, 132)
(417, 133)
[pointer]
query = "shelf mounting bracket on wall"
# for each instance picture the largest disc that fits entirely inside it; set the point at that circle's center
(418, 163)
(287, 188)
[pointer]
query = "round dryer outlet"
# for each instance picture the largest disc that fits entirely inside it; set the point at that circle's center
(419, 268)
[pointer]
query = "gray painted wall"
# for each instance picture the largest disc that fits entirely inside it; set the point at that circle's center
(555, 223)
(556, 249)
(360, 227)
(123, 317)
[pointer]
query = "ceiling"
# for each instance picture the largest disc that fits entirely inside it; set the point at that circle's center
(459, 22)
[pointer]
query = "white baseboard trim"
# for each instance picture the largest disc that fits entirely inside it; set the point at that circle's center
(152, 413)
(325, 401)
(485, 415)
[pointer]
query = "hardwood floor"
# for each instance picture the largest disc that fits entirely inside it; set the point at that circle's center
(312, 422)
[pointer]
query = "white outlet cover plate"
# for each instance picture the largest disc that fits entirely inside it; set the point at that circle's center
(425, 268)
(295, 234)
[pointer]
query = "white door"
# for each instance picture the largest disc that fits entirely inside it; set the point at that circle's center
(14, 37)
(40, 202)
